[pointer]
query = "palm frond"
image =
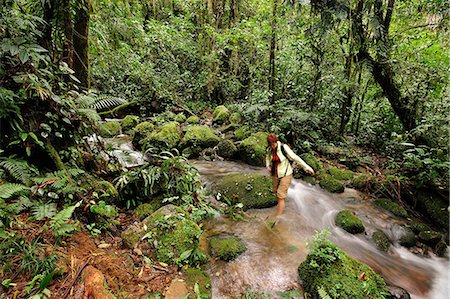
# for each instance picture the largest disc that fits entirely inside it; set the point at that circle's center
(99, 102)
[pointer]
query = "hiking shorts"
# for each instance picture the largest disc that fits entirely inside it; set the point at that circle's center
(280, 186)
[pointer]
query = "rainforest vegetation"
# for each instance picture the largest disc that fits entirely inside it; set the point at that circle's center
(359, 88)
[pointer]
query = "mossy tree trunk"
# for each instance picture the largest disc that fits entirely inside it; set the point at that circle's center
(81, 43)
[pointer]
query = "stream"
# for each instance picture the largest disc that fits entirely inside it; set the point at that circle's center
(270, 263)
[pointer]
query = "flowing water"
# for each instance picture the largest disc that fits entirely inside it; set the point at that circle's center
(270, 263)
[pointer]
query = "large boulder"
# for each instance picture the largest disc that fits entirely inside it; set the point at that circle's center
(110, 129)
(226, 149)
(328, 272)
(252, 190)
(166, 137)
(199, 136)
(332, 185)
(391, 206)
(341, 174)
(381, 240)
(221, 114)
(141, 132)
(346, 220)
(242, 132)
(253, 149)
(226, 248)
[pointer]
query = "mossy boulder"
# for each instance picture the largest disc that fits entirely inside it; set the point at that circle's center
(226, 248)
(162, 118)
(129, 122)
(142, 131)
(381, 240)
(146, 209)
(362, 181)
(311, 160)
(131, 236)
(199, 136)
(349, 222)
(193, 120)
(329, 270)
(196, 276)
(165, 137)
(242, 132)
(332, 185)
(430, 237)
(226, 149)
(252, 150)
(110, 129)
(180, 118)
(332, 152)
(235, 118)
(341, 174)
(254, 191)
(433, 206)
(407, 238)
(391, 206)
(221, 114)
(418, 227)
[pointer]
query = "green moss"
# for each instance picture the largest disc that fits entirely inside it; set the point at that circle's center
(434, 207)
(332, 185)
(333, 271)
(341, 174)
(107, 187)
(226, 149)
(346, 220)
(430, 237)
(235, 118)
(197, 276)
(417, 227)
(252, 190)
(146, 209)
(226, 248)
(110, 129)
(242, 133)
(311, 160)
(131, 237)
(129, 122)
(332, 152)
(391, 206)
(166, 137)
(163, 118)
(181, 118)
(193, 119)
(253, 149)
(361, 181)
(199, 136)
(381, 240)
(142, 131)
(221, 114)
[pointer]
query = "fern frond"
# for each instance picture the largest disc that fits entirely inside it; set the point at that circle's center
(7, 190)
(41, 210)
(100, 102)
(59, 223)
(322, 293)
(19, 170)
(90, 114)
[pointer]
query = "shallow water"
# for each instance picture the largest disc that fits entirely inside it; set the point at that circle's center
(270, 263)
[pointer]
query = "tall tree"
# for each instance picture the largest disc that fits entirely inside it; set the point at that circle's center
(272, 49)
(81, 42)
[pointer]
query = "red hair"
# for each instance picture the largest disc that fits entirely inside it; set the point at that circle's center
(272, 138)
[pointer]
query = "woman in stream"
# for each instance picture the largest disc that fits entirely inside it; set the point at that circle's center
(278, 164)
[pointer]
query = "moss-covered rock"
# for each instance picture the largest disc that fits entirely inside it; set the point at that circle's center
(235, 118)
(329, 270)
(142, 131)
(349, 222)
(440, 249)
(434, 207)
(252, 150)
(131, 236)
(330, 184)
(418, 227)
(110, 129)
(381, 240)
(430, 237)
(332, 152)
(166, 137)
(407, 237)
(341, 174)
(362, 181)
(311, 160)
(129, 122)
(254, 191)
(226, 149)
(221, 114)
(226, 248)
(199, 136)
(194, 276)
(162, 118)
(180, 118)
(146, 209)
(242, 132)
(193, 120)
(391, 206)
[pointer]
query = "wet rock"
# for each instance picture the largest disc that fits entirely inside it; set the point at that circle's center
(441, 249)
(254, 191)
(349, 222)
(221, 114)
(391, 206)
(381, 240)
(129, 122)
(252, 150)
(434, 206)
(332, 185)
(341, 174)
(226, 248)
(110, 129)
(407, 237)
(397, 293)
(430, 237)
(226, 149)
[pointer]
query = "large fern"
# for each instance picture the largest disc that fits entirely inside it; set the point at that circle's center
(18, 170)
(7, 190)
(42, 210)
(59, 222)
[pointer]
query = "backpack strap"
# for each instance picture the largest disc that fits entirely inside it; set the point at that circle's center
(283, 151)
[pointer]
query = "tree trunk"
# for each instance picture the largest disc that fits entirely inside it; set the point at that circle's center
(273, 39)
(46, 39)
(68, 34)
(81, 44)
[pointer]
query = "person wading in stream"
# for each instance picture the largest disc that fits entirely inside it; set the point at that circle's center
(278, 164)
